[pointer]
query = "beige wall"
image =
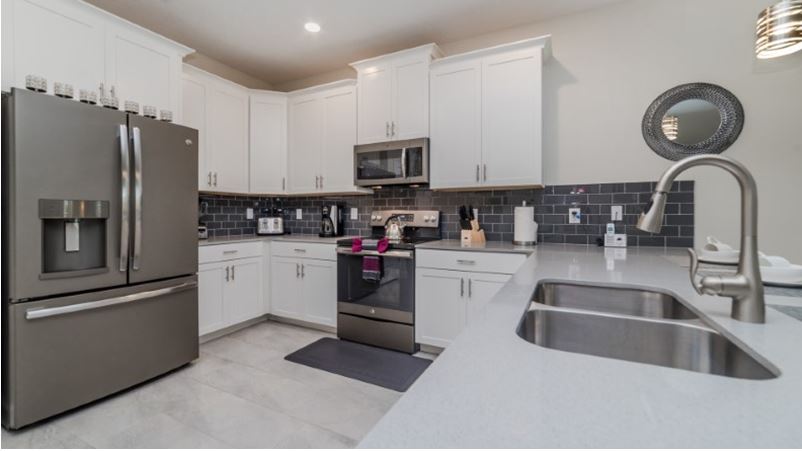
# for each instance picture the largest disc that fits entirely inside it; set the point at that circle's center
(610, 63)
(319, 79)
(208, 64)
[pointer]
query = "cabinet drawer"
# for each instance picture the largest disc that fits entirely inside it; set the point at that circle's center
(304, 250)
(228, 251)
(501, 263)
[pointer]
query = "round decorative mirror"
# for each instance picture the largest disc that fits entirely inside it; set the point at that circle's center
(692, 119)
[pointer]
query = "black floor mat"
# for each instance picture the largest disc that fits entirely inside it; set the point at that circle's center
(389, 369)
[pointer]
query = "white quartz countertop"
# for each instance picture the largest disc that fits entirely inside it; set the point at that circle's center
(489, 246)
(491, 388)
(287, 238)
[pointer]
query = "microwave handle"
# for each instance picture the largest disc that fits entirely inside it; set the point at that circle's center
(404, 162)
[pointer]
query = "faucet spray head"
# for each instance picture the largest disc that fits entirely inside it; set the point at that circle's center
(651, 219)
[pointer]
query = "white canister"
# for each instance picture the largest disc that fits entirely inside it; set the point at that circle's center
(525, 232)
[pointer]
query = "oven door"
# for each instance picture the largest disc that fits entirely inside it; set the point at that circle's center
(392, 298)
(398, 162)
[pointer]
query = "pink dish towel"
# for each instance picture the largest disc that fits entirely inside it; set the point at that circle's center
(356, 245)
(371, 268)
(382, 245)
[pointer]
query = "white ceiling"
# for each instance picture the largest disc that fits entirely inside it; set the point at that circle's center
(266, 39)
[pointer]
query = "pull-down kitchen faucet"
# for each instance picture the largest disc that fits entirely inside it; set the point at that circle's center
(745, 287)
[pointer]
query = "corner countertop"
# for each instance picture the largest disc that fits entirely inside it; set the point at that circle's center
(491, 388)
(287, 238)
(490, 246)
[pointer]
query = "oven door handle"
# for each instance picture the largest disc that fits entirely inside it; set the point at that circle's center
(391, 254)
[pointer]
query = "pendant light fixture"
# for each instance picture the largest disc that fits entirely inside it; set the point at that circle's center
(779, 29)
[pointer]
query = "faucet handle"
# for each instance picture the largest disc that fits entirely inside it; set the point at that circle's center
(697, 284)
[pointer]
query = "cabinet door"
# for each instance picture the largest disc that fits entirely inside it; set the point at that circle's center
(337, 171)
(456, 126)
(194, 116)
(511, 119)
(306, 144)
(142, 70)
(375, 105)
(211, 281)
(268, 152)
(59, 40)
(410, 99)
(286, 297)
(243, 292)
(227, 119)
(481, 289)
(440, 299)
(319, 278)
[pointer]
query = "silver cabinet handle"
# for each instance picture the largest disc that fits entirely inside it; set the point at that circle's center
(40, 312)
(392, 128)
(227, 274)
(125, 190)
(297, 270)
(477, 172)
(386, 129)
(209, 179)
(230, 252)
(232, 272)
(469, 288)
(321, 182)
(404, 162)
(317, 182)
(466, 262)
(461, 287)
(283, 183)
(485, 172)
(303, 272)
(215, 179)
(137, 198)
(303, 251)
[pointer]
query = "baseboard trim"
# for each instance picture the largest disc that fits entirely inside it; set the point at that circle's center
(300, 323)
(231, 329)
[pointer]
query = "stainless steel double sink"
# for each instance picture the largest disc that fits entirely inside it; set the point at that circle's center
(636, 325)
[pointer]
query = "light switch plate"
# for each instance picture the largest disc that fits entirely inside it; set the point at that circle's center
(249, 213)
(616, 213)
(354, 214)
(299, 213)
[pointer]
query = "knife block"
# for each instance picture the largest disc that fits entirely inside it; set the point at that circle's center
(473, 236)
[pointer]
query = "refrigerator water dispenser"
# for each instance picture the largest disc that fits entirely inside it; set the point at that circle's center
(73, 236)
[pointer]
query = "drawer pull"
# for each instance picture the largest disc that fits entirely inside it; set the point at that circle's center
(230, 252)
(36, 313)
(300, 250)
(466, 262)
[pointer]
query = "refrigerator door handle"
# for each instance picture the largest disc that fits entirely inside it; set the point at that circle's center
(36, 313)
(137, 198)
(125, 182)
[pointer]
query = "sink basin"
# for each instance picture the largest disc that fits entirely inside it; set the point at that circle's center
(673, 345)
(619, 300)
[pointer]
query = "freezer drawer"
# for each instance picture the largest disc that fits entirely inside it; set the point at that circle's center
(65, 352)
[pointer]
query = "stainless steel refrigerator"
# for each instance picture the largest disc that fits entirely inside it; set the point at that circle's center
(99, 252)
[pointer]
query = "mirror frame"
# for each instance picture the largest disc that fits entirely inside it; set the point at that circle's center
(729, 108)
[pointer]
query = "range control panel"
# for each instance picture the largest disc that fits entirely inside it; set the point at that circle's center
(409, 218)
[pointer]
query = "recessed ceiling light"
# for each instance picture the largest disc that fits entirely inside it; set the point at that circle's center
(312, 27)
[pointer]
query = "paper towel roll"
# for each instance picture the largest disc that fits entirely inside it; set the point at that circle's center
(525, 232)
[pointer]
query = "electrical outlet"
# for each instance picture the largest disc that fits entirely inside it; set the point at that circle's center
(616, 213)
(249, 213)
(299, 214)
(574, 216)
(354, 214)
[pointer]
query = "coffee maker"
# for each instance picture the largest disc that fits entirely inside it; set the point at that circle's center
(331, 221)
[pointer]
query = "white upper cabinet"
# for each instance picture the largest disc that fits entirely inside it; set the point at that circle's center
(486, 123)
(393, 93)
(219, 110)
(73, 42)
(322, 134)
(268, 144)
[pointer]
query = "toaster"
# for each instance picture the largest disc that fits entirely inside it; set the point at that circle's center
(270, 225)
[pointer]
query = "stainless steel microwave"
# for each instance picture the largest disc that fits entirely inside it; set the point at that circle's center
(392, 163)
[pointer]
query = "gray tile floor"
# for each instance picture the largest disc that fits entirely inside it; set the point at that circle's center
(241, 393)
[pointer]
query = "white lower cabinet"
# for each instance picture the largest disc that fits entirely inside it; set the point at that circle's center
(229, 292)
(304, 289)
(447, 300)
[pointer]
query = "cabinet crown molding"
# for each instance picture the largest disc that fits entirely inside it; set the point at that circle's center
(432, 49)
(326, 86)
(540, 41)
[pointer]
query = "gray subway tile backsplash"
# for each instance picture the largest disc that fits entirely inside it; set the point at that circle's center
(226, 215)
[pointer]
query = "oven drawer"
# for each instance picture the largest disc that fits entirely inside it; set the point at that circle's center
(304, 250)
(501, 263)
(219, 252)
